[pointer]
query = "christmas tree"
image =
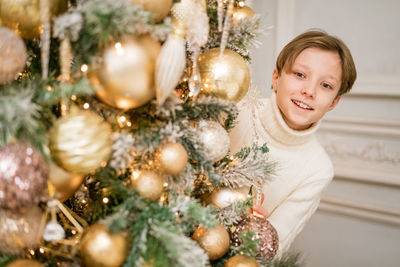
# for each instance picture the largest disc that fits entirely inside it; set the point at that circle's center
(114, 145)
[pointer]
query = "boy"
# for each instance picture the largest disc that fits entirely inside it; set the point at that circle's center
(311, 74)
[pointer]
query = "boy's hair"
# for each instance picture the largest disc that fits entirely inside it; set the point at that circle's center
(322, 40)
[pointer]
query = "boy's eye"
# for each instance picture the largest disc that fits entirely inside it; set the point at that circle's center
(298, 74)
(325, 85)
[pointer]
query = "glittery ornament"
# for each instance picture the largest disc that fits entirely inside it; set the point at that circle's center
(224, 197)
(80, 142)
(23, 176)
(25, 263)
(125, 78)
(264, 231)
(214, 241)
(241, 13)
(99, 247)
(214, 139)
(23, 16)
(160, 8)
(20, 231)
(241, 261)
(12, 55)
(148, 184)
(53, 232)
(171, 158)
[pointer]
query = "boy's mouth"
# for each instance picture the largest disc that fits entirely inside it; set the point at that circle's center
(302, 105)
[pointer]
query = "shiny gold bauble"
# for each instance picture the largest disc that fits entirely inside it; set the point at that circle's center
(227, 77)
(12, 55)
(80, 142)
(65, 183)
(100, 247)
(171, 158)
(160, 8)
(241, 261)
(20, 230)
(23, 16)
(125, 78)
(240, 13)
(148, 184)
(214, 241)
(25, 263)
(224, 197)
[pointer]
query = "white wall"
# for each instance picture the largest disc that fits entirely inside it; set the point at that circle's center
(358, 221)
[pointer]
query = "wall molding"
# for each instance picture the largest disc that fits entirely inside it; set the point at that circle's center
(377, 86)
(360, 210)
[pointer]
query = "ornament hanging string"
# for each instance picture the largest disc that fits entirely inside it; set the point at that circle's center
(65, 64)
(45, 36)
(227, 26)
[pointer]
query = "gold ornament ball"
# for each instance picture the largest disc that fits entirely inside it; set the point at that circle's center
(160, 8)
(240, 13)
(148, 184)
(25, 263)
(241, 261)
(227, 77)
(171, 158)
(214, 140)
(224, 197)
(214, 241)
(20, 230)
(80, 142)
(65, 183)
(12, 55)
(100, 247)
(125, 78)
(23, 16)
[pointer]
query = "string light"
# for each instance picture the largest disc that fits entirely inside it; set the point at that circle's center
(84, 68)
(83, 201)
(165, 184)
(241, 3)
(73, 232)
(73, 97)
(128, 123)
(105, 200)
(41, 250)
(135, 175)
(49, 88)
(118, 47)
(32, 252)
(86, 105)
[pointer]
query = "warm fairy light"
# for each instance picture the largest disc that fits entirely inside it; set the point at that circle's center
(206, 85)
(73, 232)
(86, 105)
(241, 3)
(165, 184)
(84, 68)
(48, 88)
(105, 200)
(128, 123)
(73, 97)
(122, 118)
(83, 201)
(185, 79)
(231, 157)
(63, 108)
(118, 47)
(191, 94)
(163, 198)
(150, 162)
(32, 252)
(41, 250)
(135, 175)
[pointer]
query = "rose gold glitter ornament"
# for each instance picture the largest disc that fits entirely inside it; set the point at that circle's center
(264, 231)
(23, 176)
(12, 55)
(19, 231)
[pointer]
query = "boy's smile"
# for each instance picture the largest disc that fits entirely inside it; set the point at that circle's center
(305, 92)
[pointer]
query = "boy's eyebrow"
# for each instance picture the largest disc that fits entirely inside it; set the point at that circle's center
(307, 68)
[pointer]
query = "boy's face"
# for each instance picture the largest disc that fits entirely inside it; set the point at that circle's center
(306, 92)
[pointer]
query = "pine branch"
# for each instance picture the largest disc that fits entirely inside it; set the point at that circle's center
(234, 213)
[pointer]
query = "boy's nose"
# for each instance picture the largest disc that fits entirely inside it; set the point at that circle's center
(308, 91)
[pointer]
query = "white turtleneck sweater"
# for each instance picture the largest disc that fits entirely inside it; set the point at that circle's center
(303, 167)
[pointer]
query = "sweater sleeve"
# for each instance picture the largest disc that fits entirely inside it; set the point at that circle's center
(290, 216)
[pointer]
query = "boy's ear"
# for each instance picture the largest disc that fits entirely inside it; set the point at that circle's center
(334, 103)
(275, 76)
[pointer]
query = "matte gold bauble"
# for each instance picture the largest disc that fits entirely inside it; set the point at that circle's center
(125, 78)
(227, 77)
(23, 16)
(160, 8)
(148, 184)
(80, 142)
(241, 261)
(224, 197)
(240, 13)
(100, 247)
(171, 158)
(214, 241)
(20, 230)
(65, 183)
(12, 55)
(25, 263)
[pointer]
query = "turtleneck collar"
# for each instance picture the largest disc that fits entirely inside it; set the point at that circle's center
(273, 122)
